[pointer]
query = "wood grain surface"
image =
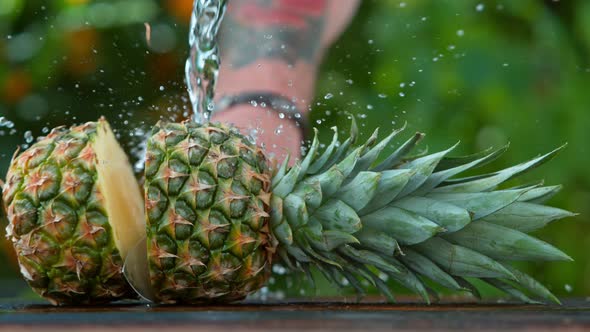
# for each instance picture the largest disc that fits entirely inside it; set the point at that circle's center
(574, 315)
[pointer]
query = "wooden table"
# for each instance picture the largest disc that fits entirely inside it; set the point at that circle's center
(574, 315)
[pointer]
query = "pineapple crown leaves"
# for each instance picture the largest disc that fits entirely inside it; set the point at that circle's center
(410, 218)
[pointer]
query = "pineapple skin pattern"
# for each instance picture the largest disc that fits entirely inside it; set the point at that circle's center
(58, 223)
(217, 218)
(207, 196)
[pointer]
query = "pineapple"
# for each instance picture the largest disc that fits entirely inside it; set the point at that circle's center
(74, 211)
(218, 217)
(207, 195)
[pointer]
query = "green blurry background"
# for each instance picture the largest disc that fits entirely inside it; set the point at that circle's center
(483, 72)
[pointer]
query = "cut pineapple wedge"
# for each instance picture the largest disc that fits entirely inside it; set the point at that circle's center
(124, 203)
(123, 198)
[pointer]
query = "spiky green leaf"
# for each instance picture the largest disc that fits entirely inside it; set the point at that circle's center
(377, 241)
(288, 182)
(311, 193)
(397, 156)
(407, 278)
(360, 191)
(310, 156)
(503, 243)
(480, 204)
(389, 185)
(539, 195)
(423, 168)
(295, 211)
(461, 261)
(452, 162)
(446, 215)
(367, 257)
(368, 158)
(495, 179)
(526, 217)
(427, 268)
(405, 226)
(282, 170)
(319, 162)
(334, 239)
(511, 290)
(532, 285)
(336, 215)
(438, 177)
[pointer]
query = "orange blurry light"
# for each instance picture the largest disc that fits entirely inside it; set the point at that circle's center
(16, 86)
(181, 9)
(80, 45)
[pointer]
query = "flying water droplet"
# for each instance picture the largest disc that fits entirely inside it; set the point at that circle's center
(29, 137)
(6, 123)
(328, 96)
(279, 269)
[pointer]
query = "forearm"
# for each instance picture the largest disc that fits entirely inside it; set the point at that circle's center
(276, 46)
(278, 134)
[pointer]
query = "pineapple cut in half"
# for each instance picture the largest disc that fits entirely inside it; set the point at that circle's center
(217, 217)
(75, 210)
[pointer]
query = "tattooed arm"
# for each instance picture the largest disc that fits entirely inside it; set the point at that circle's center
(276, 46)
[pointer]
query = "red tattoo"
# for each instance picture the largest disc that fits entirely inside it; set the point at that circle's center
(291, 13)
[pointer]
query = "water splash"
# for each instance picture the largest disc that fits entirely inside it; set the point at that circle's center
(202, 65)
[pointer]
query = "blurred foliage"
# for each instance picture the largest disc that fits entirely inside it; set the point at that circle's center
(484, 72)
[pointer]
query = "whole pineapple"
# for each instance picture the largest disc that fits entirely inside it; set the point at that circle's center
(74, 211)
(218, 217)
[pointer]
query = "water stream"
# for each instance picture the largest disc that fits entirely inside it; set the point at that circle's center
(202, 65)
